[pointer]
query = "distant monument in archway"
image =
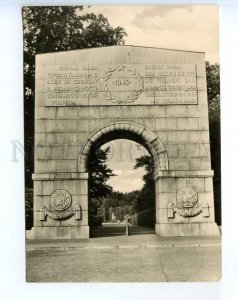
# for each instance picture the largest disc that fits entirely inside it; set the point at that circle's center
(156, 97)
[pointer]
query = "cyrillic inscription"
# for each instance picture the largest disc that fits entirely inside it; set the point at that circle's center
(149, 84)
(185, 173)
(62, 175)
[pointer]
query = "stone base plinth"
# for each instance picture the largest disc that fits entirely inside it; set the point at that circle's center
(51, 232)
(192, 229)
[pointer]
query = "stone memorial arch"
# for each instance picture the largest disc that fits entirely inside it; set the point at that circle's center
(156, 97)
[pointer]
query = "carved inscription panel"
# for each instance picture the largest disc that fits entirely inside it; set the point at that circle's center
(148, 84)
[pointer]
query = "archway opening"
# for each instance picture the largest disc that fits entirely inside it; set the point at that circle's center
(127, 131)
(121, 189)
(131, 191)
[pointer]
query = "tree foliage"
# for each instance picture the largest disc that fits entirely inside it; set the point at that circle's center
(28, 208)
(213, 81)
(213, 92)
(119, 203)
(135, 201)
(62, 28)
(99, 173)
(146, 198)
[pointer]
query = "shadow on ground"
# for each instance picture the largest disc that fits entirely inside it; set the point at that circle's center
(109, 230)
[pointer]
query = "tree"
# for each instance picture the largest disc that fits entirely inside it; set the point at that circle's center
(57, 28)
(29, 208)
(213, 92)
(62, 28)
(99, 173)
(146, 198)
(213, 81)
(120, 203)
(146, 161)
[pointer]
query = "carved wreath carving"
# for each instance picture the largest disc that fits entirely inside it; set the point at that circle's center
(61, 215)
(129, 98)
(60, 201)
(172, 209)
(187, 198)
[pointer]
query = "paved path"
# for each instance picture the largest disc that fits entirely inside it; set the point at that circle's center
(125, 265)
(112, 236)
(137, 258)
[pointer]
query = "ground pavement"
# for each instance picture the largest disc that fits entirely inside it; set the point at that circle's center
(111, 256)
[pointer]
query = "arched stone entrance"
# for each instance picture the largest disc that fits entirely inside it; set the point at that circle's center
(156, 97)
(131, 131)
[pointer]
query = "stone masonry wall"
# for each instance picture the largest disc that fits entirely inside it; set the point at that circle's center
(61, 131)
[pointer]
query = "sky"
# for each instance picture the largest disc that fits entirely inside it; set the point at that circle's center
(122, 158)
(183, 27)
(190, 27)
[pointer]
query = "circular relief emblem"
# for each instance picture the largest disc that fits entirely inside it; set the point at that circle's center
(187, 197)
(60, 200)
(122, 84)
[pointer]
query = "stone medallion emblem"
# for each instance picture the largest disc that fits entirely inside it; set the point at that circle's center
(122, 84)
(60, 200)
(187, 197)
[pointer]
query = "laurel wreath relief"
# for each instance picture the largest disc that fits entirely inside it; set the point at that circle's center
(61, 215)
(116, 99)
(188, 212)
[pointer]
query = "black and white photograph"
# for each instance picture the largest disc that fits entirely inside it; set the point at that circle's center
(118, 150)
(122, 141)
